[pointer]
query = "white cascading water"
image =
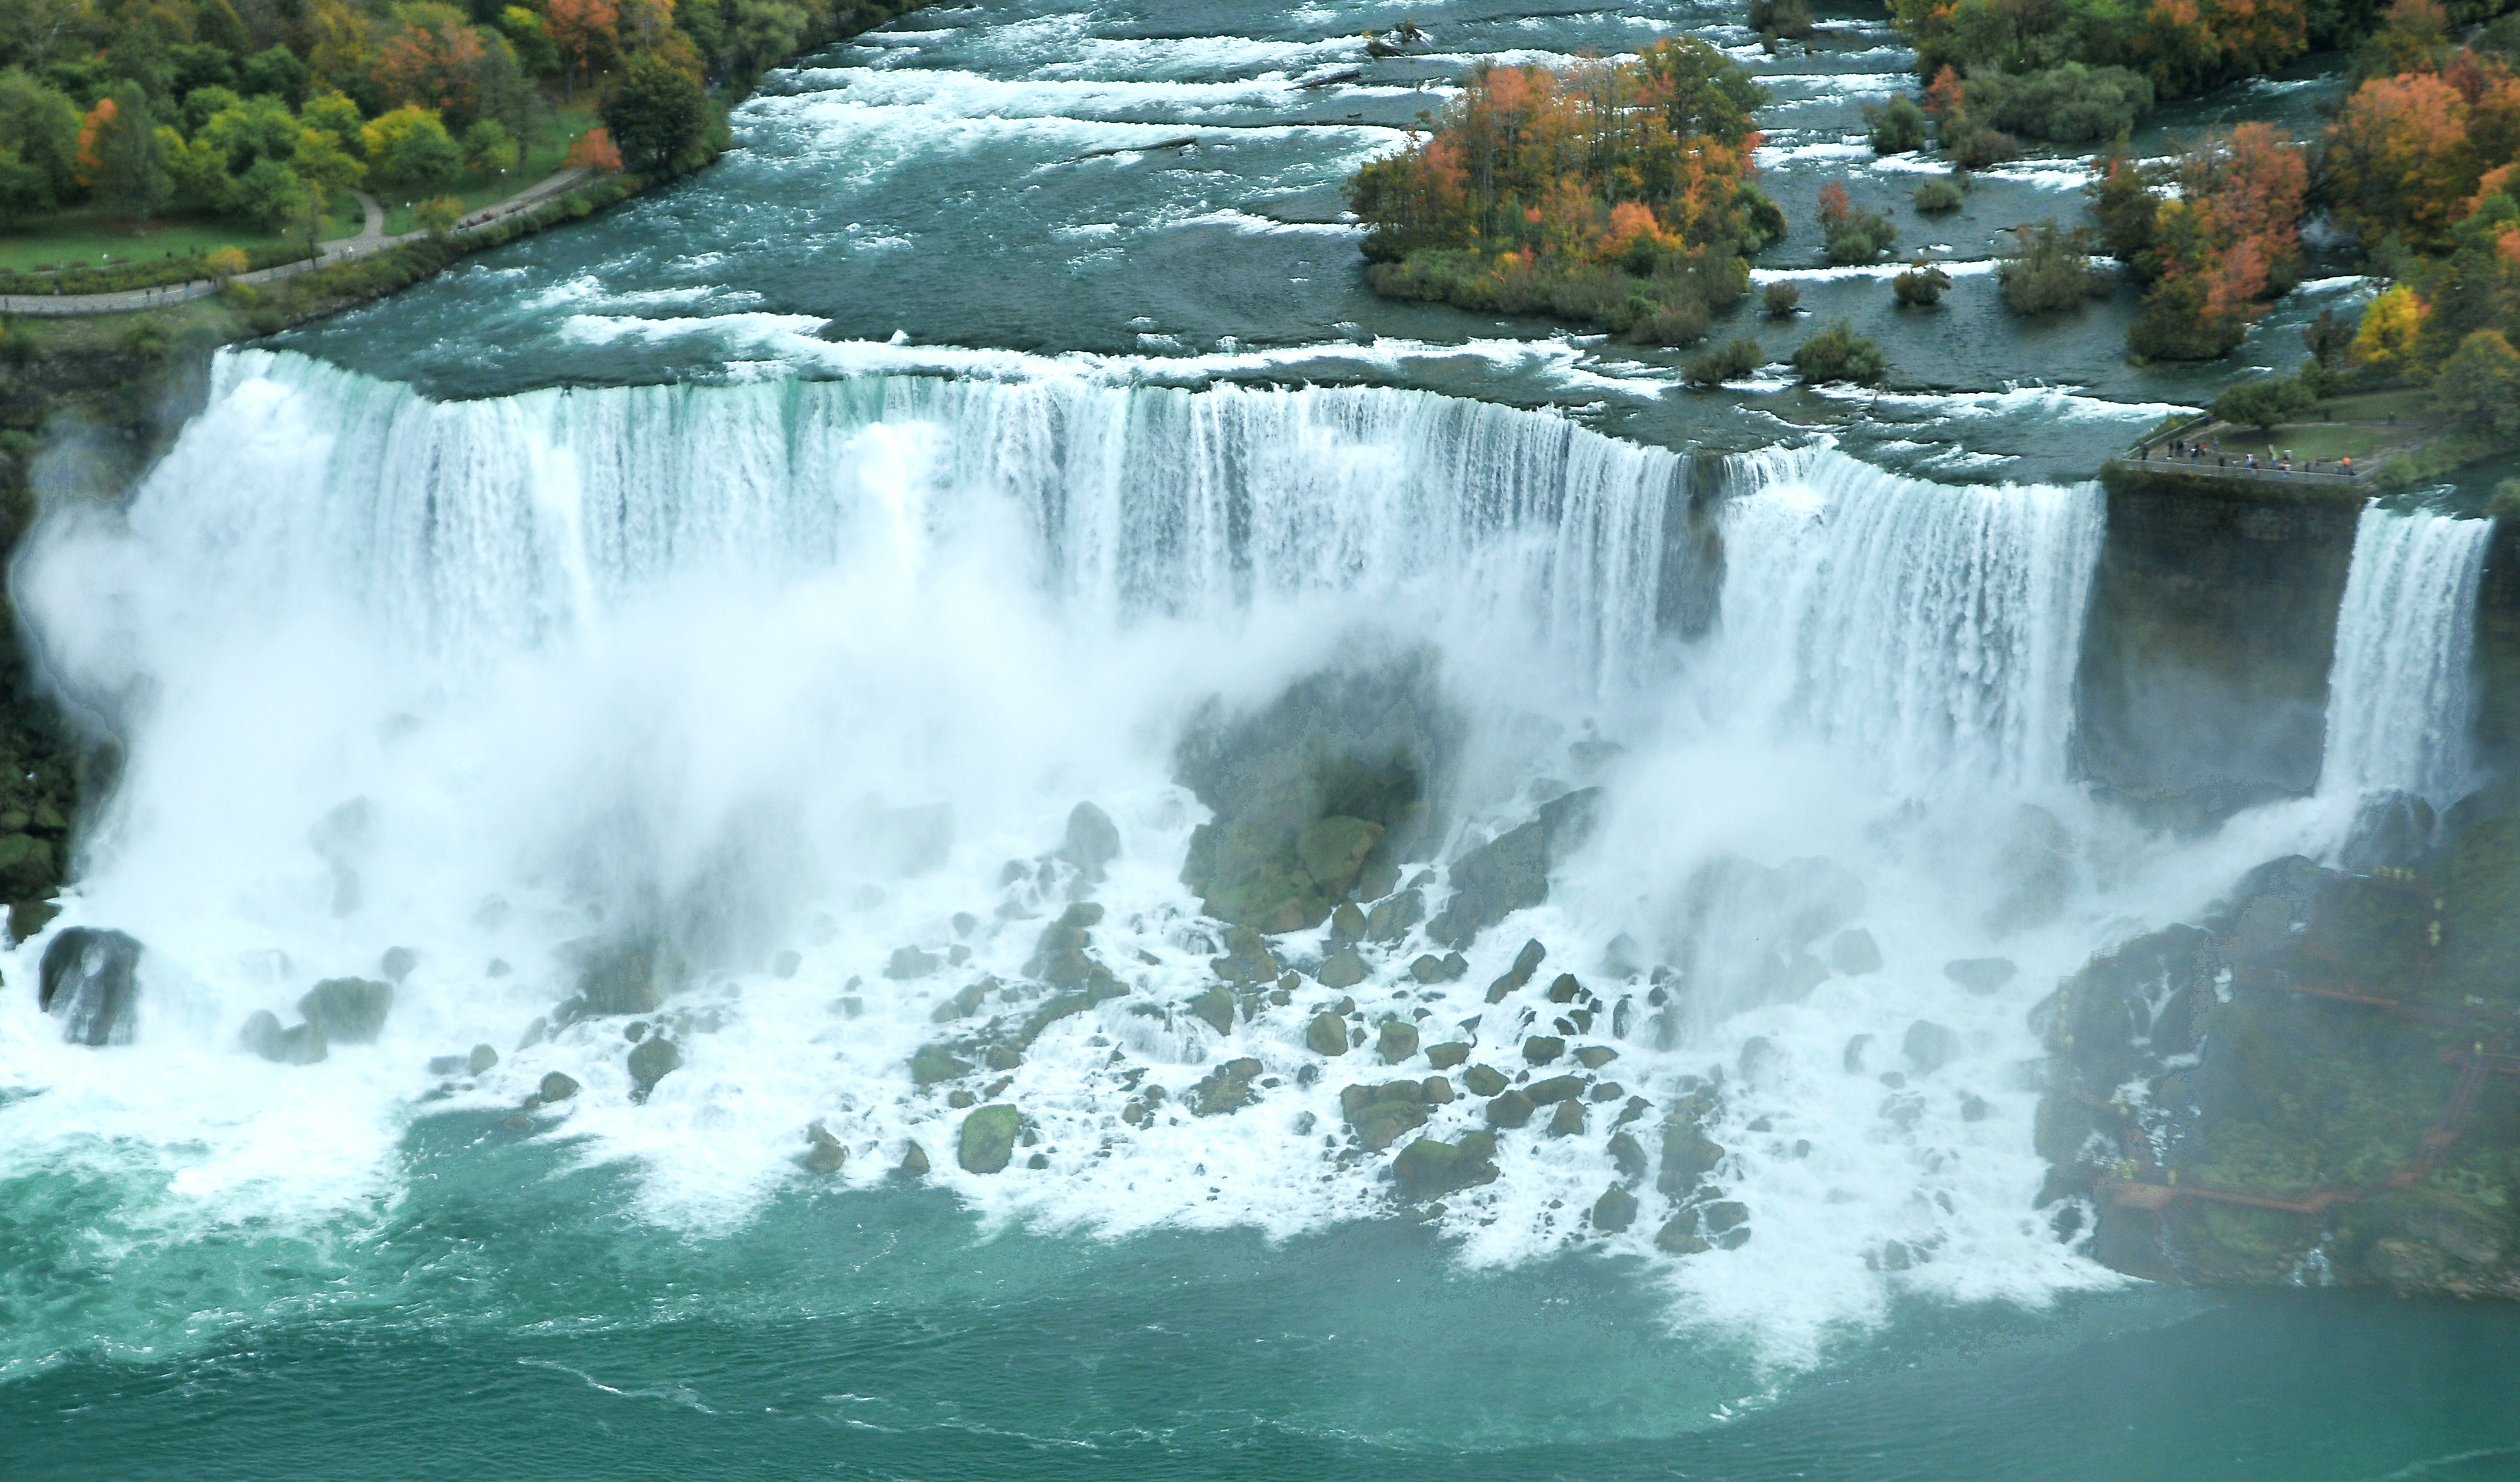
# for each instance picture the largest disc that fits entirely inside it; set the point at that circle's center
(2400, 691)
(696, 653)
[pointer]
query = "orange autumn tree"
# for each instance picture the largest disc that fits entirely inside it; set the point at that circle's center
(1619, 193)
(582, 30)
(595, 152)
(435, 60)
(2410, 153)
(2227, 241)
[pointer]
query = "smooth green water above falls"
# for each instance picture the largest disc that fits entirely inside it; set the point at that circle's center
(680, 787)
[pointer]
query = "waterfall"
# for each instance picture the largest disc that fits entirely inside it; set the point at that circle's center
(468, 528)
(1931, 630)
(807, 678)
(2400, 693)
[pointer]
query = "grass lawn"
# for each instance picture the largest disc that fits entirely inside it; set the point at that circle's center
(93, 235)
(547, 141)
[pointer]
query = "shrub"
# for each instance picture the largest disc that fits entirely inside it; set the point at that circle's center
(1780, 298)
(439, 215)
(1898, 126)
(225, 263)
(2048, 269)
(1836, 352)
(1852, 235)
(1979, 146)
(2264, 403)
(1730, 362)
(1935, 197)
(2072, 104)
(1922, 284)
(2506, 503)
(1781, 18)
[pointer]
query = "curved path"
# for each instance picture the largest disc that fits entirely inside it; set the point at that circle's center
(370, 238)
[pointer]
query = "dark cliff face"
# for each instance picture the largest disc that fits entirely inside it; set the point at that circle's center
(2498, 653)
(73, 424)
(2203, 683)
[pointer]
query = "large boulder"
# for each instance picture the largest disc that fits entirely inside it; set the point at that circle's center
(298, 1045)
(1092, 840)
(1330, 777)
(651, 1060)
(1229, 1088)
(348, 1010)
(988, 1140)
(1428, 1169)
(89, 979)
(1382, 1113)
(1511, 871)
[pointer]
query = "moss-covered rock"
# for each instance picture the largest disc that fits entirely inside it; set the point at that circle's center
(1380, 1114)
(1510, 1109)
(1447, 1055)
(1396, 1042)
(1541, 1049)
(1326, 1035)
(1343, 970)
(937, 1062)
(651, 1060)
(1310, 789)
(349, 1010)
(1229, 1088)
(1428, 1169)
(1484, 1080)
(1614, 1211)
(823, 1152)
(1555, 1088)
(987, 1142)
(1568, 1120)
(1215, 1008)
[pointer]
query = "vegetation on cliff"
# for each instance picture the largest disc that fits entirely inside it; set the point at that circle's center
(1620, 194)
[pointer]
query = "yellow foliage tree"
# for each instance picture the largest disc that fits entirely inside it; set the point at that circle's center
(2386, 341)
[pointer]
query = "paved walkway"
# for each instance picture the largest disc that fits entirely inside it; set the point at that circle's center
(371, 237)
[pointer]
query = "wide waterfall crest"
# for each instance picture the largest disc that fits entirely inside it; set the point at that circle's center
(476, 527)
(2400, 692)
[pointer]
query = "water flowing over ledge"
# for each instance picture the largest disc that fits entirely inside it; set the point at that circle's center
(810, 674)
(2400, 702)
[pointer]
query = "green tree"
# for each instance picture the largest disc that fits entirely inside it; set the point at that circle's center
(130, 171)
(2048, 269)
(24, 190)
(139, 54)
(765, 30)
(271, 193)
(321, 159)
(2479, 382)
(408, 148)
(488, 148)
(276, 73)
(2264, 403)
(656, 113)
(536, 53)
(336, 114)
(40, 127)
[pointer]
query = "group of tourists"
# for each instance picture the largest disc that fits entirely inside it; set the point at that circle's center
(2194, 455)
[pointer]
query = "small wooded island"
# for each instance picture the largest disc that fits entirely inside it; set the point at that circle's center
(1616, 193)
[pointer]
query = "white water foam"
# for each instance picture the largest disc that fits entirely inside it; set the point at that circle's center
(2400, 693)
